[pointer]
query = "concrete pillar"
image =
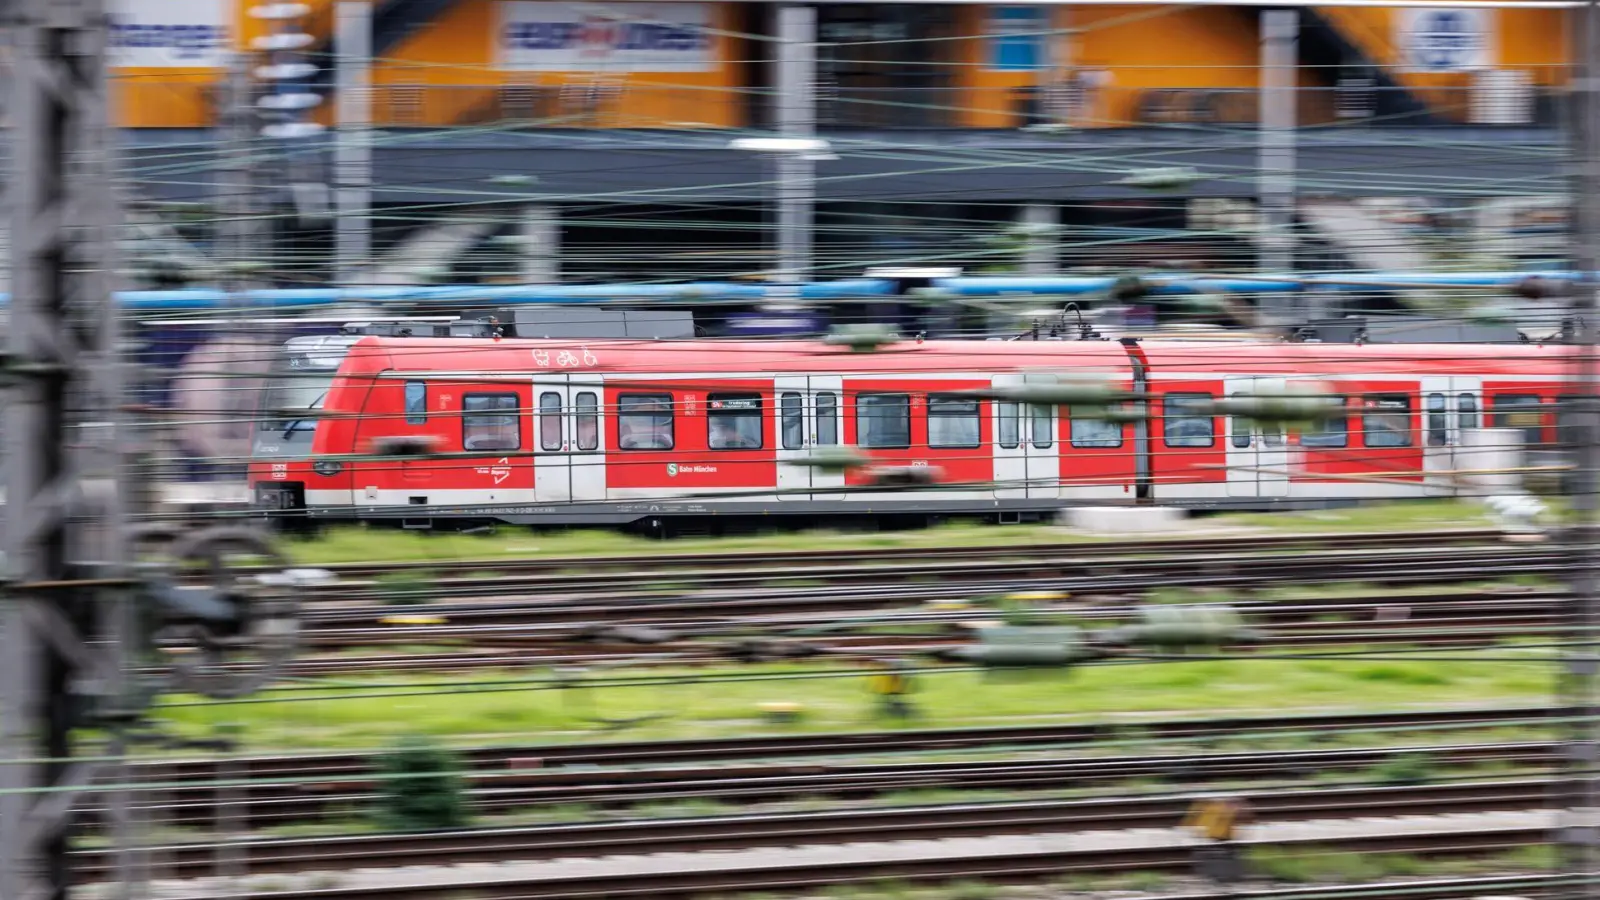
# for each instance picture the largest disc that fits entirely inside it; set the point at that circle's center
(540, 230)
(1280, 36)
(1040, 224)
(352, 167)
(1491, 227)
(796, 118)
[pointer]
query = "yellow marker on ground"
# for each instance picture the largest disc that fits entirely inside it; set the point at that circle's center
(1038, 596)
(1213, 819)
(413, 620)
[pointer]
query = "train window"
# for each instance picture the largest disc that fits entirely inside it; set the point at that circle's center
(1010, 427)
(1386, 421)
(1271, 434)
(1043, 416)
(292, 391)
(952, 422)
(549, 421)
(1185, 422)
(588, 420)
(883, 420)
(1466, 411)
(1438, 421)
(827, 419)
(793, 413)
(1242, 429)
(489, 422)
(644, 421)
(1328, 432)
(1567, 419)
(1092, 432)
(733, 421)
(1520, 411)
(416, 403)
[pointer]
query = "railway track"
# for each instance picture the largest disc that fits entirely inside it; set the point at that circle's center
(832, 745)
(837, 586)
(511, 635)
(805, 753)
(1477, 888)
(823, 559)
(522, 783)
(341, 780)
(926, 823)
(893, 605)
(513, 621)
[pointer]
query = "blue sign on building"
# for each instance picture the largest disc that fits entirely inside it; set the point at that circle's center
(1017, 39)
(1445, 40)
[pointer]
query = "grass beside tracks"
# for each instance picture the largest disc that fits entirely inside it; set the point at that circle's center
(527, 706)
(382, 545)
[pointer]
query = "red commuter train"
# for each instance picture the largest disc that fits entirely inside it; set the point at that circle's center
(614, 432)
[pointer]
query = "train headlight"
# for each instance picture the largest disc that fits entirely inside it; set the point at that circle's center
(327, 467)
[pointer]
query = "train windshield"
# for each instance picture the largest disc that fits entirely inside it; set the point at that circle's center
(289, 391)
(300, 380)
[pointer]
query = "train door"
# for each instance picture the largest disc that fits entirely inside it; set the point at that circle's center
(1272, 450)
(1027, 460)
(1044, 450)
(807, 410)
(823, 409)
(793, 398)
(1258, 455)
(1010, 449)
(586, 434)
(568, 433)
(1451, 404)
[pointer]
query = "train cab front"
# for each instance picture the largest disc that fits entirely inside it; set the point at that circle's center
(288, 484)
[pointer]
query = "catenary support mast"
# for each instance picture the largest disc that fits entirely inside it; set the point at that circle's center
(63, 511)
(1579, 785)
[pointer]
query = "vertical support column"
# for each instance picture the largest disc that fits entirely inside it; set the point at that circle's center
(797, 118)
(353, 153)
(1491, 223)
(1578, 788)
(238, 228)
(1280, 38)
(63, 464)
(541, 243)
(1041, 254)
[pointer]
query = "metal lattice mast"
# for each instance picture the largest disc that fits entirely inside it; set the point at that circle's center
(1578, 797)
(64, 533)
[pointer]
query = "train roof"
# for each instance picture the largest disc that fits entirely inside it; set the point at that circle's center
(445, 355)
(516, 355)
(1336, 359)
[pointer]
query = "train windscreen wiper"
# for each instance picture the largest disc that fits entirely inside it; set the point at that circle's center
(315, 404)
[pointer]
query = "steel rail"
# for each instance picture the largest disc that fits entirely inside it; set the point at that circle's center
(774, 590)
(1031, 867)
(834, 747)
(848, 826)
(904, 604)
(827, 745)
(825, 559)
(516, 786)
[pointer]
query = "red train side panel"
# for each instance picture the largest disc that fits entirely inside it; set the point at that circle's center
(547, 426)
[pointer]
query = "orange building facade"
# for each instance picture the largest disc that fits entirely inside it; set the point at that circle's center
(707, 65)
